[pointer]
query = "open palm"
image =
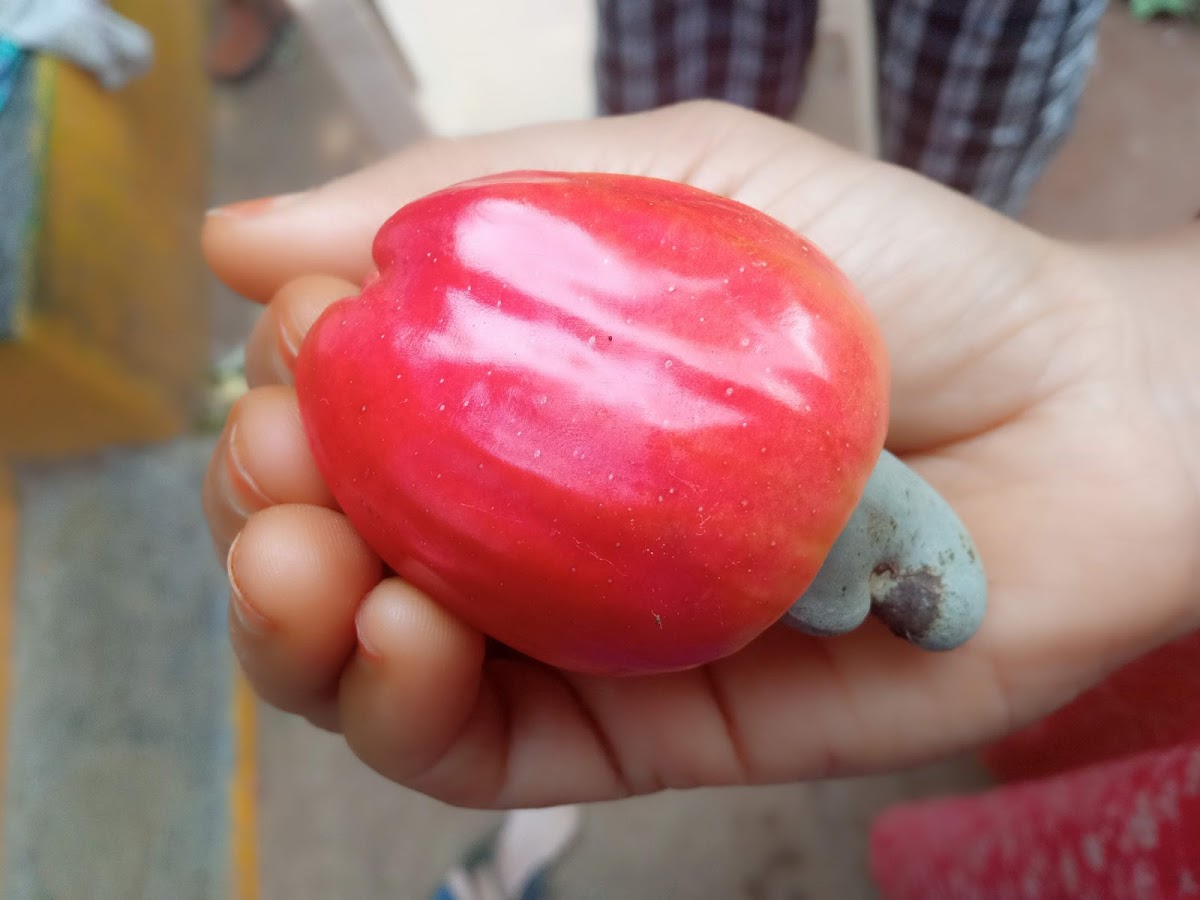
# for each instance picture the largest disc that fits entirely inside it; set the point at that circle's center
(1016, 392)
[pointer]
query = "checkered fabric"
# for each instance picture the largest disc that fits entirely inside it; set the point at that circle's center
(976, 94)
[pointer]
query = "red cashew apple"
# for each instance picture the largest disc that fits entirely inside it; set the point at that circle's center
(613, 422)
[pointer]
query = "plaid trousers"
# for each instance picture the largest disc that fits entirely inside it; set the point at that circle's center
(976, 94)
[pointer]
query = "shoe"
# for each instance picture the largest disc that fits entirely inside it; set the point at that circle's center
(248, 33)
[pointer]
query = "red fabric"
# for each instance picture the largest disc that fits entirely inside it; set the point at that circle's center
(1151, 703)
(1123, 829)
(1106, 802)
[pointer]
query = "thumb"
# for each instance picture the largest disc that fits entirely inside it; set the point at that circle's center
(258, 245)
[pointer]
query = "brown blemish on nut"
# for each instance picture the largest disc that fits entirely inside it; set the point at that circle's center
(907, 602)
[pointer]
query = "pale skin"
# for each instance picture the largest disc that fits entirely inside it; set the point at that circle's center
(1049, 390)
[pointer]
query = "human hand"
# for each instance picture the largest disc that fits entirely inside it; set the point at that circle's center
(1018, 391)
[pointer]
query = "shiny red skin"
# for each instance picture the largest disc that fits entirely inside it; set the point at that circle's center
(613, 422)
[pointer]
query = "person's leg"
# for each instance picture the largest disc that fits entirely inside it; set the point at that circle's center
(979, 94)
(247, 31)
(753, 53)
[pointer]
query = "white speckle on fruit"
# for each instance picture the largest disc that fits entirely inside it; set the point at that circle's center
(610, 476)
(364, 409)
(660, 500)
(741, 268)
(466, 403)
(744, 424)
(441, 407)
(671, 289)
(441, 381)
(745, 342)
(542, 400)
(728, 392)
(745, 503)
(668, 364)
(592, 341)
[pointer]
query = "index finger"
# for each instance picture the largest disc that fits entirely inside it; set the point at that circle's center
(278, 333)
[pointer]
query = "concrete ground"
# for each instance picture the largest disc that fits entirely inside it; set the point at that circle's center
(329, 827)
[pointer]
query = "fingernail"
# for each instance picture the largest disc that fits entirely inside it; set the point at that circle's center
(287, 349)
(367, 651)
(248, 209)
(249, 618)
(239, 486)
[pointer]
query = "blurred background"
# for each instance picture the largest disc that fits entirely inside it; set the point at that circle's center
(133, 763)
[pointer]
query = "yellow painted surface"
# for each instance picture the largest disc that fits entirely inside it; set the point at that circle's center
(8, 561)
(116, 343)
(59, 395)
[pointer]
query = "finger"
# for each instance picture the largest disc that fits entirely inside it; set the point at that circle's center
(279, 331)
(262, 459)
(257, 247)
(297, 575)
(419, 704)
